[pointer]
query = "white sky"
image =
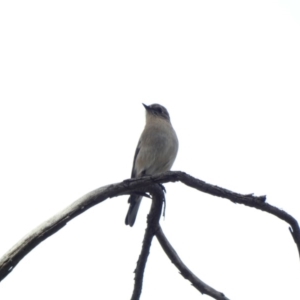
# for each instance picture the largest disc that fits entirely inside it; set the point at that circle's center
(73, 76)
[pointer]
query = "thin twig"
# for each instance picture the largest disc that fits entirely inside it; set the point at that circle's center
(184, 270)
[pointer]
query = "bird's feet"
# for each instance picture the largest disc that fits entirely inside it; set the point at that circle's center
(141, 194)
(162, 187)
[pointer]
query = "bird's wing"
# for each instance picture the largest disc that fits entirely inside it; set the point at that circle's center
(138, 148)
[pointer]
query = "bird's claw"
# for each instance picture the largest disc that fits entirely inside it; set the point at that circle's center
(162, 187)
(141, 194)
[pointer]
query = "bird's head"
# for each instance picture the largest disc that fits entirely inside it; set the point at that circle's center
(156, 110)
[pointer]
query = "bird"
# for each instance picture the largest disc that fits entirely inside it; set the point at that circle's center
(155, 153)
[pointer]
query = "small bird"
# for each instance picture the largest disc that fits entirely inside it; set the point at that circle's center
(155, 153)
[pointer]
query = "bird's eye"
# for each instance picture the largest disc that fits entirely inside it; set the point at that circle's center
(159, 110)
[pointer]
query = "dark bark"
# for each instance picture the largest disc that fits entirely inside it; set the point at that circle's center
(143, 185)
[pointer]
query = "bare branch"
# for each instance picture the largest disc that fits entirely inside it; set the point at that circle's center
(140, 185)
(248, 200)
(185, 272)
(46, 229)
(152, 225)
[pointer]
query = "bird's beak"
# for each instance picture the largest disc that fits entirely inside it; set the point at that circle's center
(146, 106)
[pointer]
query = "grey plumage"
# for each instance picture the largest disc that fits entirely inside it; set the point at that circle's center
(155, 153)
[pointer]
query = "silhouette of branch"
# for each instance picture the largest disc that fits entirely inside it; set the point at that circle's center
(258, 202)
(152, 225)
(185, 272)
(46, 229)
(139, 185)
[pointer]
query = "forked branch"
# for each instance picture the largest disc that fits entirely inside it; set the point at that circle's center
(142, 185)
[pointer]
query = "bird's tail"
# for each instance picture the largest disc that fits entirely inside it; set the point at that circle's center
(135, 202)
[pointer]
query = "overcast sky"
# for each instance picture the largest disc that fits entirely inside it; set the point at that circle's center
(73, 76)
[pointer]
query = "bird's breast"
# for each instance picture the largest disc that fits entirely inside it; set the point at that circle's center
(159, 146)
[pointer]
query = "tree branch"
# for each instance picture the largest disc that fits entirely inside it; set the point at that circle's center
(46, 229)
(257, 202)
(185, 272)
(142, 185)
(152, 225)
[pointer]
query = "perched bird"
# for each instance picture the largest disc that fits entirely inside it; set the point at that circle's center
(155, 153)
